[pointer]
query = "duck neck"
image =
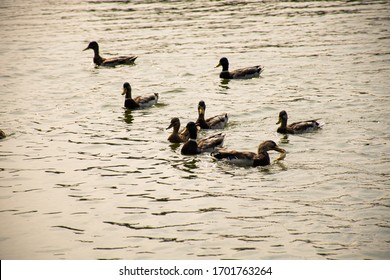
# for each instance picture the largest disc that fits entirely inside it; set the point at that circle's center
(201, 121)
(262, 159)
(128, 94)
(283, 123)
(97, 59)
(176, 129)
(193, 134)
(262, 153)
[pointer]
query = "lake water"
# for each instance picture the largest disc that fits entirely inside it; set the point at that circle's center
(82, 178)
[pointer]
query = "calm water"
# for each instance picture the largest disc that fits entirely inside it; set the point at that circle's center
(82, 178)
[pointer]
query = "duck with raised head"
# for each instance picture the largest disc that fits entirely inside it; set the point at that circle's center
(242, 73)
(297, 127)
(109, 62)
(193, 147)
(138, 102)
(176, 136)
(261, 158)
(216, 122)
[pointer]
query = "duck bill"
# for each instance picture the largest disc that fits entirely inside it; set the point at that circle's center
(124, 91)
(87, 48)
(170, 126)
(201, 111)
(281, 151)
(219, 64)
(279, 121)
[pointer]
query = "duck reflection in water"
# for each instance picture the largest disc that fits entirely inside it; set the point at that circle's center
(190, 164)
(128, 117)
(224, 84)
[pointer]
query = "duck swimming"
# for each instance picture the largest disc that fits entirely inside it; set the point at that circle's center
(176, 136)
(138, 102)
(216, 122)
(243, 73)
(250, 158)
(297, 127)
(109, 62)
(192, 147)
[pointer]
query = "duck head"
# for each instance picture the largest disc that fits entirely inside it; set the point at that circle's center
(282, 118)
(127, 90)
(192, 130)
(271, 145)
(201, 107)
(224, 62)
(92, 46)
(175, 123)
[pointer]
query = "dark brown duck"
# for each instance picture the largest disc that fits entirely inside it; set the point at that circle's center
(109, 62)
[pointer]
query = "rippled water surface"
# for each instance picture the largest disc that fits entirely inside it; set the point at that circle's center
(82, 178)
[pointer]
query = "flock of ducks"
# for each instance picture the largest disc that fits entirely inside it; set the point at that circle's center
(213, 143)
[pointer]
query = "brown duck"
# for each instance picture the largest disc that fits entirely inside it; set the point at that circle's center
(176, 136)
(138, 102)
(243, 73)
(261, 158)
(109, 62)
(216, 122)
(296, 127)
(192, 147)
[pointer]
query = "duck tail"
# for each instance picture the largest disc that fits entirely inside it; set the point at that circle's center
(320, 125)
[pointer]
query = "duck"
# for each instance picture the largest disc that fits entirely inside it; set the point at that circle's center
(261, 158)
(243, 73)
(2, 134)
(193, 147)
(216, 122)
(109, 62)
(297, 127)
(176, 136)
(138, 102)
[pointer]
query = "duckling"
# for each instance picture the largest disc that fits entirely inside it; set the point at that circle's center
(109, 62)
(2, 134)
(243, 73)
(192, 147)
(216, 122)
(138, 102)
(176, 136)
(250, 158)
(297, 127)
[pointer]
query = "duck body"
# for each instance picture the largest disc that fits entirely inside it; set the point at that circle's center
(216, 122)
(139, 102)
(109, 62)
(261, 158)
(242, 73)
(296, 127)
(192, 147)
